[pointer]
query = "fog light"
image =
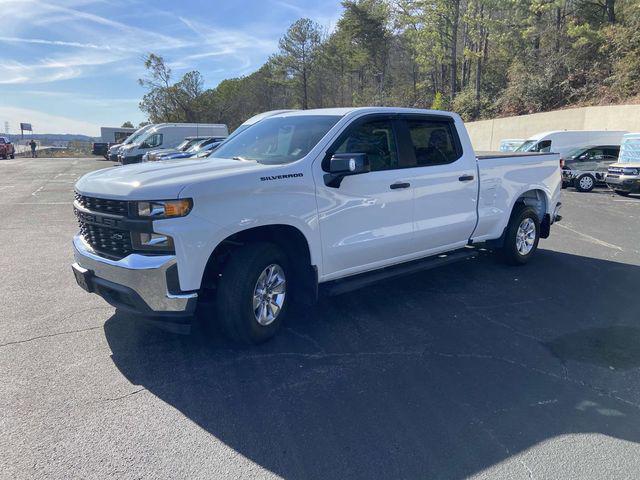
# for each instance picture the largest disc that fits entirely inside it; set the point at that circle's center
(153, 242)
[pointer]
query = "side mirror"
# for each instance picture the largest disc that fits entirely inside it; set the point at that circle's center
(345, 164)
(144, 145)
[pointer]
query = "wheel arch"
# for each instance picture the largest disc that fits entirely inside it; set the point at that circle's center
(536, 197)
(289, 238)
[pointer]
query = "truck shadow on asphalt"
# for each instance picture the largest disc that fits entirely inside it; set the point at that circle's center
(438, 375)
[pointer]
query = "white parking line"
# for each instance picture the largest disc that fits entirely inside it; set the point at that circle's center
(591, 239)
(42, 203)
(35, 194)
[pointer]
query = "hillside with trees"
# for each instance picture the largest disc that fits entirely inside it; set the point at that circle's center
(480, 58)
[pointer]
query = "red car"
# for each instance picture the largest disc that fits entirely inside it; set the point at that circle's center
(6, 148)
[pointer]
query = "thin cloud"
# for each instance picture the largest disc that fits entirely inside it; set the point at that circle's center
(47, 123)
(61, 43)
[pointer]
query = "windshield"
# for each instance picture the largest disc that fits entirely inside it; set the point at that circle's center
(137, 134)
(526, 146)
(630, 150)
(184, 145)
(278, 140)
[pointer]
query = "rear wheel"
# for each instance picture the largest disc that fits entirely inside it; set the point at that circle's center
(585, 183)
(13, 155)
(522, 236)
(252, 300)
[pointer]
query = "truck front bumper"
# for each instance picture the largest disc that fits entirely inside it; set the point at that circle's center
(141, 284)
(626, 183)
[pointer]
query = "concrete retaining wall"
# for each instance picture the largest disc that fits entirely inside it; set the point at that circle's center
(486, 134)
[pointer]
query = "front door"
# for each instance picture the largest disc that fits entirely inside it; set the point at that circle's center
(368, 221)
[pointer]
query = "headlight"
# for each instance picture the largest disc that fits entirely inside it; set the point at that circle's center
(164, 208)
(152, 242)
(630, 171)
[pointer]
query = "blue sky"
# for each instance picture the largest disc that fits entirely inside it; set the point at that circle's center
(70, 66)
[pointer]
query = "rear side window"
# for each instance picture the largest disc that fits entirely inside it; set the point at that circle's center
(2, 140)
(375, 138)
(433, 142)
(611, 152)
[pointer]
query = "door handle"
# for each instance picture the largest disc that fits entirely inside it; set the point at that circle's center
(465, 178)
(395, 186)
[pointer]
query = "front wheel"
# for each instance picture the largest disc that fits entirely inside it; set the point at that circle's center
(13, 156)
(252, 295)
(585, 183)
(522, 236)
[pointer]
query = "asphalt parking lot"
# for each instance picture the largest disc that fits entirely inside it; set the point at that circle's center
(475, 370)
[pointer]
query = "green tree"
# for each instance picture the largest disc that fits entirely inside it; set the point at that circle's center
(298, 49)
(127, 124)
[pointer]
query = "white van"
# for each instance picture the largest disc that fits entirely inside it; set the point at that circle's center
(114, 150)
(168, 135)
(565, 141)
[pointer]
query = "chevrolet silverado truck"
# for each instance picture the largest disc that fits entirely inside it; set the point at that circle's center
(302, 204)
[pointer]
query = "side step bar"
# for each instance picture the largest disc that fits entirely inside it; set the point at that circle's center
(338, 287)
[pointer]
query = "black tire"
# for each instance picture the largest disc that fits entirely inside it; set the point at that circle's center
(13, 156)
(585, 183)
(509, 251)
(234, 297)
(622, 193)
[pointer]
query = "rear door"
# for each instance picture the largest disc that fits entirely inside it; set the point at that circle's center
(445, 183)
(368, 221)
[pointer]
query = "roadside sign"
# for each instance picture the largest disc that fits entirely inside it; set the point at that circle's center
(25, 127)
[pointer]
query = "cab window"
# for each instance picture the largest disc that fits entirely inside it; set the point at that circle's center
(375, 138)
(433, 142)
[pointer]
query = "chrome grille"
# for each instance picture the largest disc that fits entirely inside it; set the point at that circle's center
(103, 205)
(107, 241)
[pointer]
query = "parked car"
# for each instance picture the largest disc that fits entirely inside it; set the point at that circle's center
(7, 150)
(114, 150)
(510, 144)
(585, 167)
(185, 145)
(100, 148)
(565, 141)
(167, 135)
(208, 150)
(204, 145)
(300, 204)
(623, 177)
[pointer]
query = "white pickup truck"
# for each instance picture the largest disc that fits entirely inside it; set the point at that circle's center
(302, 203)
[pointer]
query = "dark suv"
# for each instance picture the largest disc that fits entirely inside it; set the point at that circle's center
(585, 167)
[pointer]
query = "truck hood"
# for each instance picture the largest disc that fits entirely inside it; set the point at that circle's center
(158, 180)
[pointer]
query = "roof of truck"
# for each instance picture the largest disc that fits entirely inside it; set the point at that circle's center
(347, 110)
